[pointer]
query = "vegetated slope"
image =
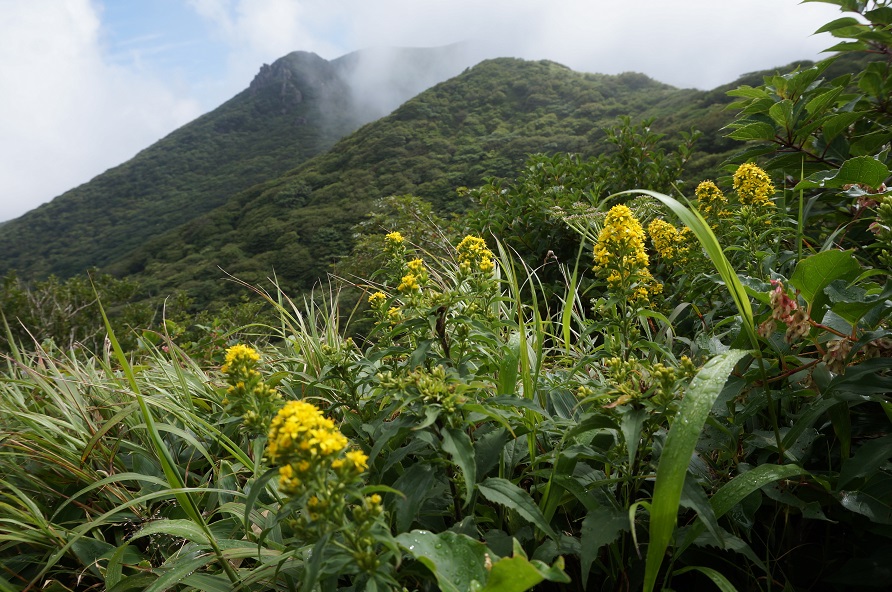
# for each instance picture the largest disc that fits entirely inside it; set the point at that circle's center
(294, 109)
(481, 123)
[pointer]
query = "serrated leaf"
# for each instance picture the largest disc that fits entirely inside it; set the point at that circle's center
(458, 445)
(753, 131)
(865, 170)
(782, 113)
(506, 493)
(600, 527)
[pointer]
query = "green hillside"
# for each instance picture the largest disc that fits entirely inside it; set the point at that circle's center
(292, 110)
(482, 123)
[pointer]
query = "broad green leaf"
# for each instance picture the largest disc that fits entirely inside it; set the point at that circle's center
(600, 527)
(753, 131)
(458, 445)
(816, 272)
(631, 424)
(782, 113)
(717, 578)
(748, 92)
(88, 550)
(517, 574)
(416, 484)
(865, 170)
(854, 303)
(846, 21)
(822, 102)
(877, 510)
(456, 560)
(869, 457)
(677, 452)
(506, 493)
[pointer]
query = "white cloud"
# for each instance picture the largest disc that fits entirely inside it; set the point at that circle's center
(66, 114)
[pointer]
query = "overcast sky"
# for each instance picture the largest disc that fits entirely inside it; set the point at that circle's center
(86, 84)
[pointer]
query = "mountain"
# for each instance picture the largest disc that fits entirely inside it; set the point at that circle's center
(484, 122)
(294, 109)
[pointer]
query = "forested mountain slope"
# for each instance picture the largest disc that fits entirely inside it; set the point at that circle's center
(295, 108)
(482, 123)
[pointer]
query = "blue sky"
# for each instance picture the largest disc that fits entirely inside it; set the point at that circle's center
(86, 84)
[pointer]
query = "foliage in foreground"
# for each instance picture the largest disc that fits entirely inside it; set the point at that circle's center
(682, 414)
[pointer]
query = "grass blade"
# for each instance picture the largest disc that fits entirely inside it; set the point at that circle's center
(680, 444)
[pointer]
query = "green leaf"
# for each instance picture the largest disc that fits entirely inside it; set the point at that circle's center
(877, 510)
(416, 484)
(456, 560)
(782, 113)
(183, 529)
(600, 527)
(865, 170)
(517, 574)
(816, 272)
(866, 460)
(753, 131)
(853, 303)
(632, 422)
(840, 23)
(717, 578)
(677, 452)
(458, 445)
(506, 493)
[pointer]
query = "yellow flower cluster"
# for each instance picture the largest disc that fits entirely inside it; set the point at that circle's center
(416, 277)
(710, 199)
(239, 356)
(473, 255)
(307, 445)
(394, 238)
(620, 256)
(377, 299)
(668, 241)
(753, 185)
(247, 395)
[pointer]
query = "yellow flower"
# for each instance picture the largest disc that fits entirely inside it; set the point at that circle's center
(300, 432)
(359, 459)
(394, 238)
(409, 284)
(710, 199)
(473, 255)
(668, 241)
(620, 256)
(239, 355)
(377, 299)
(753, 185)
(416, 266)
